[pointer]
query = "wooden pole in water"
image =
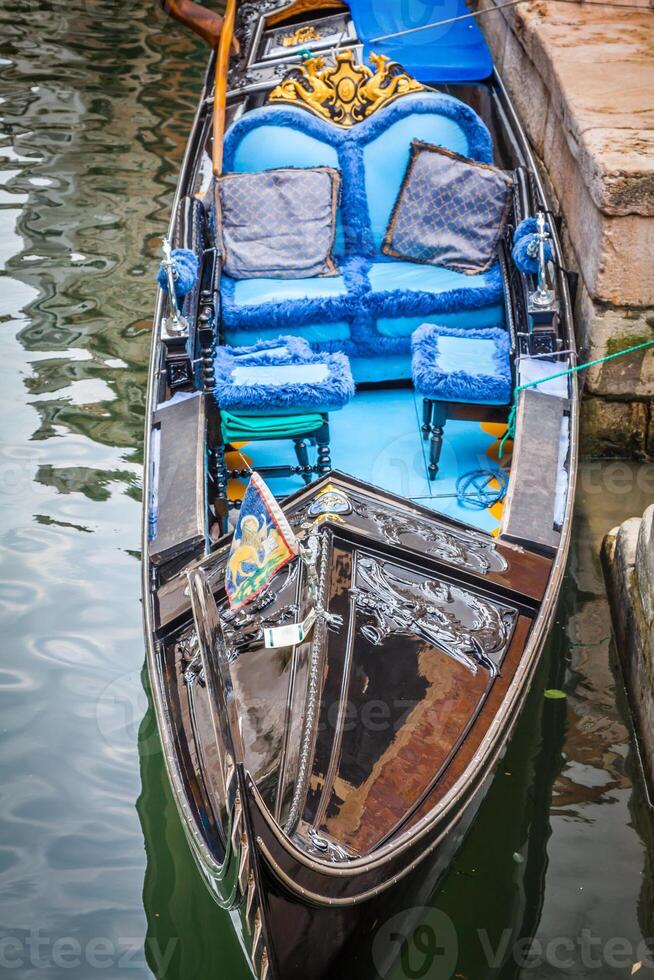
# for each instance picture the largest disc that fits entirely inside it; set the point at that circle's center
(220, 88)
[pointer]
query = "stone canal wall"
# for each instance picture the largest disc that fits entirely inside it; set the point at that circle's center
(628, 556)
(582, 81)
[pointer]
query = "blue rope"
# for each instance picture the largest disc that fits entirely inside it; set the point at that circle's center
(474, 491)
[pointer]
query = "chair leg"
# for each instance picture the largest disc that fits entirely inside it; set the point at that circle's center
(435, 447)
(438, 419)
(303, 459)
(427, 406)
(324, 455)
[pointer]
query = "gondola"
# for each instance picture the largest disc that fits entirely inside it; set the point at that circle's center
(361, 449)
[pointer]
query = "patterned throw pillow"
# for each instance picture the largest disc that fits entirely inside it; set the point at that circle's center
(450, 211)
(278, 224)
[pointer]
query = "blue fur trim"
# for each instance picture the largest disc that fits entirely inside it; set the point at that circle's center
(410, 302)
(354, 202)
(284, 349)
(461, 386)
(528, 226)
(361, 307)
(335, 391)
(288, 313)
(354, 273)
(480, 145)
(186, 272)
(525, 253)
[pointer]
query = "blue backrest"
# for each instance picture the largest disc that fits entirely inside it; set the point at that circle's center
(372, 155)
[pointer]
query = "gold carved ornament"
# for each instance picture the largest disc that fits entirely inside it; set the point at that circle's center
(344, 93)
(301, 36)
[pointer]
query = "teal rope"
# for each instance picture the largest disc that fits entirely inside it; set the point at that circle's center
(510, 430)
(474, 491)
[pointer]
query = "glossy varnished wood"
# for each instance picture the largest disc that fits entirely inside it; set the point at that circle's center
(404, 707)
(302, 7)
(486, 717)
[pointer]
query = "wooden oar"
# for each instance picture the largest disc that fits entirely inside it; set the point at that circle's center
(220, 87)
(203, 21)
(219, 33)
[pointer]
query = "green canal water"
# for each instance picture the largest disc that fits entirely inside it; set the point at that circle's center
(96, 98)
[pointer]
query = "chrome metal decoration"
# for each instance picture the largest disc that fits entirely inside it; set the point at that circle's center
(318, 649)
(472, 630)
(543, 296)
(250, 20)
(174, 324)
(447, 544)
(327, 848)
(279, 42)
(243, 629)
(190, 659)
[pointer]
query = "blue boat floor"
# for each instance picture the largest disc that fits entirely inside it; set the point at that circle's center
(377, 438)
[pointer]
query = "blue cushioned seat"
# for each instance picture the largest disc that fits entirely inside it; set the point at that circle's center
(369, 311)
(316, 309)
(404, 293)
(324, 303)
(250, 292)
(291, 383)
(471, 366)
(453, 368)
(275, 390)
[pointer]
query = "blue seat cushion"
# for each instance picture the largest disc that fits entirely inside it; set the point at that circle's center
(274, 304)
(371, 310)
(470, 366)
(322, 336)
(297, 383)
(411, 289)
(254, 292)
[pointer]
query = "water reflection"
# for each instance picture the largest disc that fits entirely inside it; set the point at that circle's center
(97, 98)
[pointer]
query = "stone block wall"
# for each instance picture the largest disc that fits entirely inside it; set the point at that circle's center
(628, 555)
(582, 81)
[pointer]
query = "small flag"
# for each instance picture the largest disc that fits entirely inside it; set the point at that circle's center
(263, 543)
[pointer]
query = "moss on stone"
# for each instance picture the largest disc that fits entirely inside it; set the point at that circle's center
(615, 345)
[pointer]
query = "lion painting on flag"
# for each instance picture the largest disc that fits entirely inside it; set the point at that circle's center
(263, 543)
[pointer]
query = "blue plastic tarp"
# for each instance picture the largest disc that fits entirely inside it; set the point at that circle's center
(450, 53)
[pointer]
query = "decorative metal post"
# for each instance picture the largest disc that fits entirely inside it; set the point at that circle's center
(174, 324)
(543, 296)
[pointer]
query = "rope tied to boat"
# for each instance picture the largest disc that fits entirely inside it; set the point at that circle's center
(510, 430)
(475, 490)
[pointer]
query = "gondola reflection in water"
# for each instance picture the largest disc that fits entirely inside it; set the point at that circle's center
(346, 590)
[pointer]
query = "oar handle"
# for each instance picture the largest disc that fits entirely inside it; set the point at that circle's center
(220, 88)
(207, 23)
